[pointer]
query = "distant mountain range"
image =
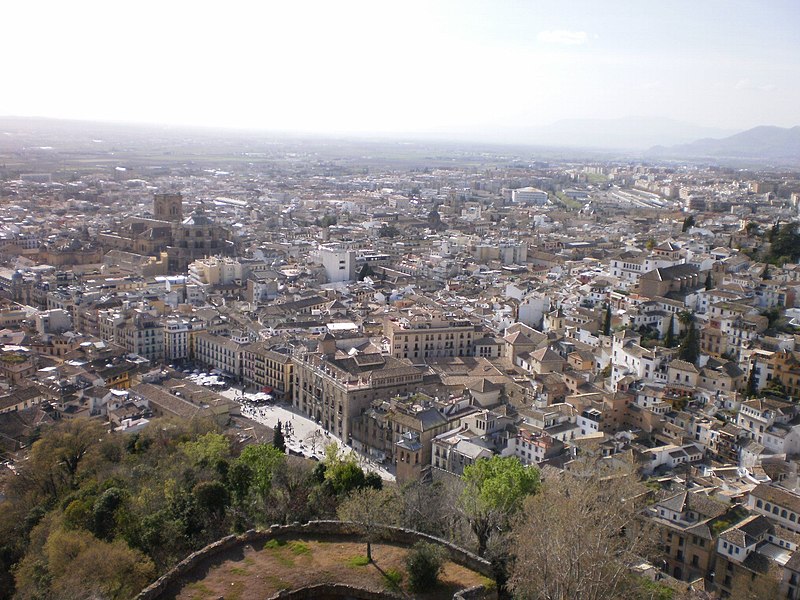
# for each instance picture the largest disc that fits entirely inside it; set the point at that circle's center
(763, 143)
(641, 137)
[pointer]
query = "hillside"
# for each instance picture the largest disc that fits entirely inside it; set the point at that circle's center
(763, 143)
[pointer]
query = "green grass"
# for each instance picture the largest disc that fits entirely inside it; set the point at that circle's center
(235, 591)
(199, 590)
(299, 548)
(358, 561)
(488, 583)
(275, 546)
(239, 571)
(393, 579)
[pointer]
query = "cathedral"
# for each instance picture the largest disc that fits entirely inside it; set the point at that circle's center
(182, 239)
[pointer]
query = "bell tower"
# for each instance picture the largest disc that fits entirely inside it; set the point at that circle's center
(168, 207)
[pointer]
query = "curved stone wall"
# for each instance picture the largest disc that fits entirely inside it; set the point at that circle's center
(404, 537)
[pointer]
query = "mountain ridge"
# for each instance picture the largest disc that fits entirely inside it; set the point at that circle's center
(764, 142)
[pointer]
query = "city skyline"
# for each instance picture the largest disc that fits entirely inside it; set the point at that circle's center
(474, 69)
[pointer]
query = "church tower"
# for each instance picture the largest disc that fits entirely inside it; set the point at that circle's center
(168, 207)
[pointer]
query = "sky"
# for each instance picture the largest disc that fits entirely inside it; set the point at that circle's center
(402, 66)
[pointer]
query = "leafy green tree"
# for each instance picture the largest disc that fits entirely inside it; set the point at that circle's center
(277, 438)
(208, 449)
(607, 320)
(342, 475)
(212, 497)
(240, 477)
(104, 513)
(424, 563)
(709, 285)
(494, 491)
(786, 245)
(688, 223)
(262, 460)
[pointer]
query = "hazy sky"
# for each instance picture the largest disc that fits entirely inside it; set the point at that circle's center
(402, 66)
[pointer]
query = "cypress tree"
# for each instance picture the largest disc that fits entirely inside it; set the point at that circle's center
(669, 338)
(607, 322)
(690, 346)
(752, 387)
(278, 439)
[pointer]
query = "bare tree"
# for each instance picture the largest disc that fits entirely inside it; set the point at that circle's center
(370, 508)
(577, 537)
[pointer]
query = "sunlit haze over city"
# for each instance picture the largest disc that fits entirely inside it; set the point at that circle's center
(487, 68)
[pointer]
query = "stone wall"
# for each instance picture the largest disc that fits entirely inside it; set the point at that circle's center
(181, 573)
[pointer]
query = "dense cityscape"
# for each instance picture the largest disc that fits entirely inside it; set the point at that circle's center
(430, 300)
(409, 312)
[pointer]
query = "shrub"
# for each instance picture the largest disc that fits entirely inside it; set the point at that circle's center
(393, 579)
(424, 563)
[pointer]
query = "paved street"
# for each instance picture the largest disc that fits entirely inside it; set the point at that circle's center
(303, 435)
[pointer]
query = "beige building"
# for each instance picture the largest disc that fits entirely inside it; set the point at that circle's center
(333, 386)
(424, 335)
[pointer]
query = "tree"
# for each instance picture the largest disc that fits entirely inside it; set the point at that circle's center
(56, 458)
(689, 349)
(690, 346)
(208, 449)
(104, 513)
(669, 338)
(577, 537)
(650, 244)
(212, 497)
(389, 231)
(774, 231)
(263, 460)
(278, 441)
(370, 508)
(366, 271)
(747, 587)
(751, 391)
(342, 475)
(709, 285)
(765, 274)
(494, 491)
(786, 245)
(424, 563)
(74, 565)
(607, 320)
(688, 223)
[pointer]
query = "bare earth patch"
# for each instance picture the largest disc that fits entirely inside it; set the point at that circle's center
(256, 573)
